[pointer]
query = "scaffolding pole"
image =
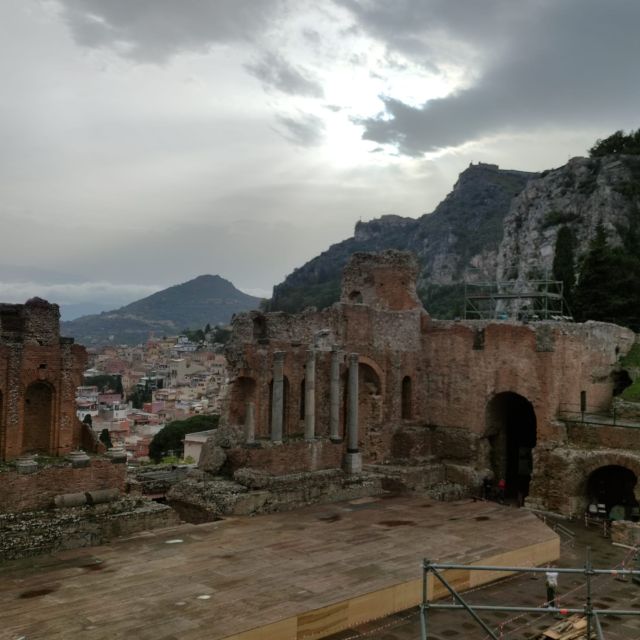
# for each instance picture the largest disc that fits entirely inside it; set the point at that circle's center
(592, 614)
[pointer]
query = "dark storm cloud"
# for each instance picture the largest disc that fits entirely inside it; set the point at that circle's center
(556, 65)
(306, 130)
(154, 30)
(275, 72)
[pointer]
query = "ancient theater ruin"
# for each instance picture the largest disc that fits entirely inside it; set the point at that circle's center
(39, 373)
(375, 388)
(59, 490)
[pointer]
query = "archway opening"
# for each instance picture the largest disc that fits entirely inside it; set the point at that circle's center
(243, 390)
(613, 486)
(369, 400)
(511, 430)
(38, 418)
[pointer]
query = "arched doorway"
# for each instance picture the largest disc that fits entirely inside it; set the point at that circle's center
(243, 390)
(369, 401)
(511, 431)
(37, 422)
(613, 486)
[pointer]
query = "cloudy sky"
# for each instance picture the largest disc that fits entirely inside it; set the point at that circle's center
(144, 142)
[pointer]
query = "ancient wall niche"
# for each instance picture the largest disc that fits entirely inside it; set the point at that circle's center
(38, 418)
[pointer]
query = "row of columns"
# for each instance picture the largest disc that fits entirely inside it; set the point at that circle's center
(277, 400)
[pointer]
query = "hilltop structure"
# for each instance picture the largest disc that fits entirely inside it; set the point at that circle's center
(373, 384)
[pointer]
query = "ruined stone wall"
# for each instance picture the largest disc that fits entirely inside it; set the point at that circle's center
(29, 534)
(39, 372)
(425, 386)
(293, 456)
(37, 490)
(382, 281)
(547, 363)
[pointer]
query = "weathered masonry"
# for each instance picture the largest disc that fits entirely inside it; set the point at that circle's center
(375, 381)
(39, 372)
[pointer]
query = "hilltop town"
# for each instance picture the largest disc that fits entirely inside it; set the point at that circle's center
(139, 389)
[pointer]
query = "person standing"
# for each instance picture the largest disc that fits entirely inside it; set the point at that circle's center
(552, 589)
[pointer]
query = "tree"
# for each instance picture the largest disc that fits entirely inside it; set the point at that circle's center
(170, 438)
(617, 143)
(105, 382)
(141, 395)
(563, 259)
(105, 438)
(608, 288)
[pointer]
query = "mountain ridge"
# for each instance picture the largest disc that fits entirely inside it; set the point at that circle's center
(205, 299)
(448, 246)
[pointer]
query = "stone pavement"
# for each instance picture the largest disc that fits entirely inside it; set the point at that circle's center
(222, 579)
(526, 590)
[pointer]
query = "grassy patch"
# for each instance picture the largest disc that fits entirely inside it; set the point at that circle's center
(632, 393)
(632, 359)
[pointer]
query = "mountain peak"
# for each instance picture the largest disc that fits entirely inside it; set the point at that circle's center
(205, 299)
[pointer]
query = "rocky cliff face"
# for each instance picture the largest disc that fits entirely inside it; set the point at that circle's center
(459, 241)
(580, 194)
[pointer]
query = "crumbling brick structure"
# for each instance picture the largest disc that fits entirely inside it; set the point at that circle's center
(375, 380)
(39, 373)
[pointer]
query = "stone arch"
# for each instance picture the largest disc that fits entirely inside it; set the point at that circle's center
(243, 390)
(511, 429)
(355, 297)
(407, 398)
(612, 485)
(37, 422)
(372, 364)
(259, 327)
(583, 468)
(369, 398)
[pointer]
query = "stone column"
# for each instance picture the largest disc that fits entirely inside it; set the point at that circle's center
(334, 396)
(277, 399)
(353, 460)
(250, 422)
(310, 396)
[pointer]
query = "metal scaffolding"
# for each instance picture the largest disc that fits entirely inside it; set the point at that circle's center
(515, 300)
(592, 614)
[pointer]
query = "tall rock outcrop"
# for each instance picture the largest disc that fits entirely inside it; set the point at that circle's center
(580, 195)
(458, 242)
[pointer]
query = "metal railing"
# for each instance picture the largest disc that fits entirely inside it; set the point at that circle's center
(573, 414)
(588, 610)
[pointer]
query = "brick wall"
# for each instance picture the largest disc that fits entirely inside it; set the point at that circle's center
(36, 490)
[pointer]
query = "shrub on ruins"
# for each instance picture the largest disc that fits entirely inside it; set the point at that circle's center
(105, 438)
(169, 440)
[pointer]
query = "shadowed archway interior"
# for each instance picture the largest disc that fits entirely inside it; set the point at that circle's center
(38, 418)
(612, 485)
(512, 434)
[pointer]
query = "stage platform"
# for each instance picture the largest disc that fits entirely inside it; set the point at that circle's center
(288, 576)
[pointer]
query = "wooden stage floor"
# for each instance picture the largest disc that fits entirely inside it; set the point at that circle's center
(286, 576)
